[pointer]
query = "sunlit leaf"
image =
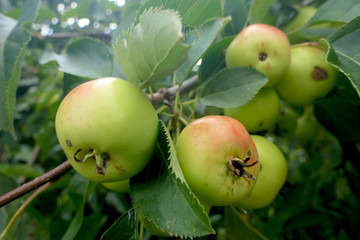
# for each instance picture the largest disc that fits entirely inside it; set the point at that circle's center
(153, 48)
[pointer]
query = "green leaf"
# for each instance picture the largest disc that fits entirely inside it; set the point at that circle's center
(214, 59)
(153, 48)
(207, 33)
(193, 12)
(336, 11)
(161, 195)
(344, 48)
(236, 226)
(85, 57)
(258, 10)
(232, 87)
(125, 228)
(238, 11)
(12, 51)
(343, 101)
(86, 189)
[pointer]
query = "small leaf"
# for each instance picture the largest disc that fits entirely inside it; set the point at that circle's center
(238, 11)
(125, 228)
(160, 194)
(232, 87)
(153, 48)
(258, 10)
(85, 57)
(345, 55)
(207, 33)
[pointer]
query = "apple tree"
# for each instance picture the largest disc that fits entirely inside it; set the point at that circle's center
(182, 119)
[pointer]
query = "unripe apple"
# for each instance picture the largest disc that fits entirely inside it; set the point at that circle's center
(107, 129)
(272, 175)
(309, 76)
(309, 131)
(263, 47)
(120, 186)
(218, 159)
(293, 28)
(260, 113)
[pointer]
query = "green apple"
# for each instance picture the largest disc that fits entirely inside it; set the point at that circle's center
(260, 113)
(287, 120)
(309, 130)
(309, 77)
(292, 29)
(272, 176)
(107, 129)
(218, 159)
(263, 47)
(120, 186)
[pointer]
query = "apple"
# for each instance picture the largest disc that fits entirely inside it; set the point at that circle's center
(260, 113)
(120, 186)
(107, 129)
(309, 77)
(293, 27)
(309, 130)
(287, 121)
(263, 47)
(272, 175)
(218, 159)
(299, 22)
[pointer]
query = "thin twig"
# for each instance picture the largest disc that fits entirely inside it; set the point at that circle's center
(52, 175)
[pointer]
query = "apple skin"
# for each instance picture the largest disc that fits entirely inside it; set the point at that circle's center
(263, 47)
(261, 113)
(110, 120)
(120, 186)
(309, 76)
(207, 149)
(272, 176)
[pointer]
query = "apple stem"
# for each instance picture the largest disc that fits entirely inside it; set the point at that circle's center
(102, 161)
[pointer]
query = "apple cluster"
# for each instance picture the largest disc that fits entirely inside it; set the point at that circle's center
(298, 74)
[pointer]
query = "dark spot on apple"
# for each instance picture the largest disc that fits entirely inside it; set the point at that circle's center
(319, 74)
(260, 167)
(248, 153)
(68, 143)
(263, 56)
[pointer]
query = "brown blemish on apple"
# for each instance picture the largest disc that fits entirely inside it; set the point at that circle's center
(319, 74)
(68, 143)
(120, 169)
